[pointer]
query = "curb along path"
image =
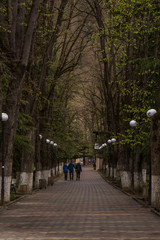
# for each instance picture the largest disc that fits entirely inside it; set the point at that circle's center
(85, 209)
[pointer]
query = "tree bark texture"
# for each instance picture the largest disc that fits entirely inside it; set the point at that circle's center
(155, 156)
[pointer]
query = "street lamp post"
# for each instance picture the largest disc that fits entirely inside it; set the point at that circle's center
(38, 168)
(96, 147)
(132, 123)
(150, 113)
(47, 142)
(40, 141)
(55, 145)
(40, 136)
(4, 118)
(104, 145)
(113, 140)
(52, 143)
(54, 154)
(104, 159)
(109, 160)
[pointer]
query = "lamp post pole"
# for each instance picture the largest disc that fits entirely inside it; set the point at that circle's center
(55, 145)
(132, 123)
(109, 155)
(4, 118)
(51, 142)
(96, 147)
(150, 113)
(113, 140)
(47, 142)
(38, 166)
(40, 137)
(104, 157)
(39, 147)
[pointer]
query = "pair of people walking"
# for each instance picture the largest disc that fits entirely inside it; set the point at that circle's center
(70, 168)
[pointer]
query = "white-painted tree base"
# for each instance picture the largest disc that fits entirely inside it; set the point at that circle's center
(7, 187)
(114, 173)
(46, 174)
(26, 179)
(7, 184)
(38, 175)
(144, 176)
(125, 179)
(155, 188)
(60, 169)
(137, 180)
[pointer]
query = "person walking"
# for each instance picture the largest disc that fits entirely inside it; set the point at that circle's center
(71, 170)
(78, 171)
(65, 170)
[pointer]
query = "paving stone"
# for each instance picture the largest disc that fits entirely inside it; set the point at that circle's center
(79, 210)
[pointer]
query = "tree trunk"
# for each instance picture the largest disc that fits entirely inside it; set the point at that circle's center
(155, 157)
(124, 166)
(138, 178)
(27, 165)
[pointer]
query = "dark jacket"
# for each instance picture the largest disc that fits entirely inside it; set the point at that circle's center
(71, 167)
(65, 168)
(78, 167)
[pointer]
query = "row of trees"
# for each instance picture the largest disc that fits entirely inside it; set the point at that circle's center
(41, 44)
(126, 46)
(71, 68)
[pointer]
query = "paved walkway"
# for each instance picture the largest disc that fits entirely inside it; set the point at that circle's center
(85, 209)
